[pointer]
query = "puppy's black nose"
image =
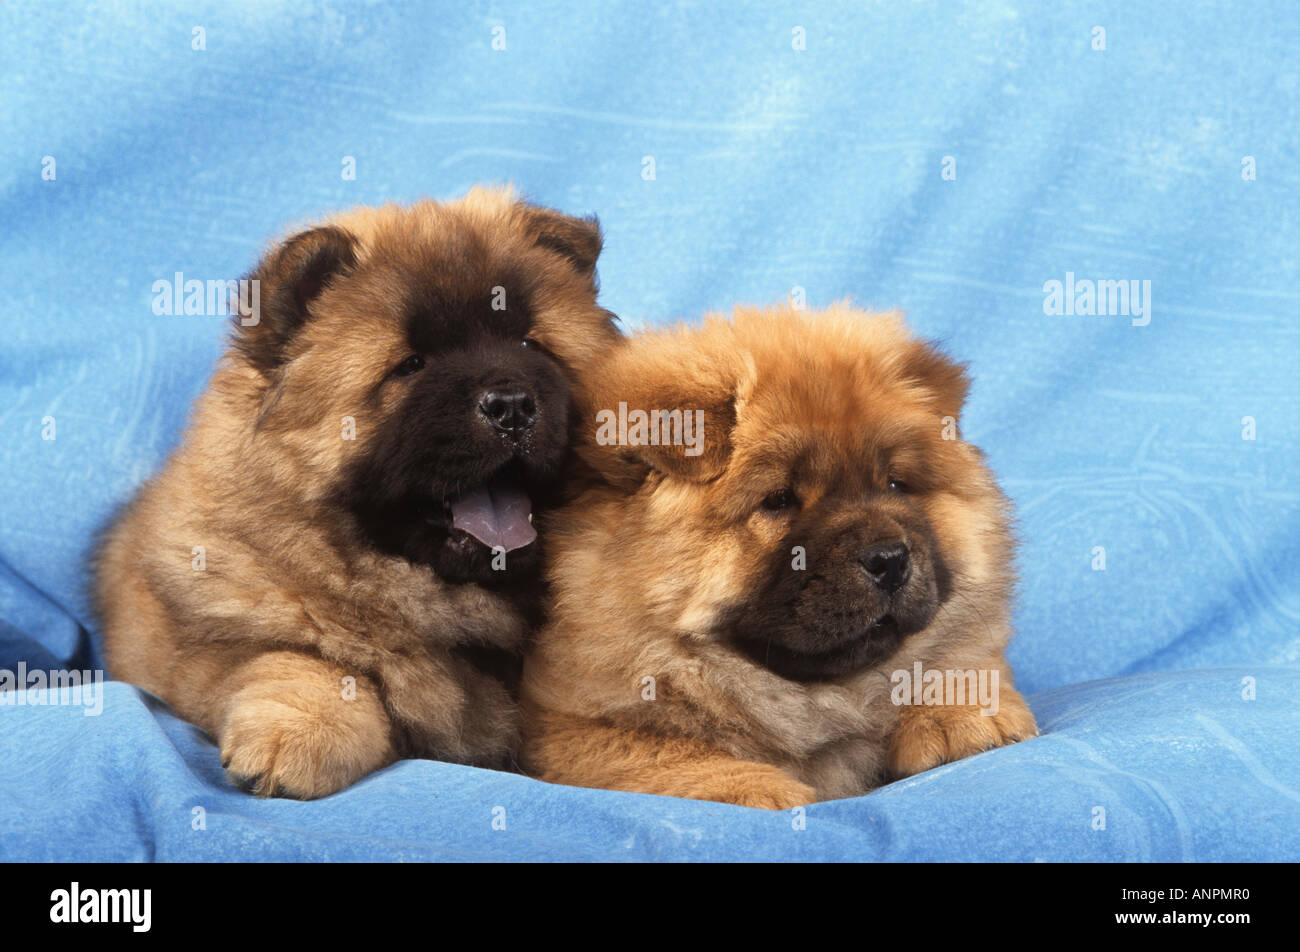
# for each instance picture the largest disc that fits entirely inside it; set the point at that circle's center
(888, 565)
(510, 411)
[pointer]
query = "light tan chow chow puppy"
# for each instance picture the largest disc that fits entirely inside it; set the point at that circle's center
(336, 567)
(733, 610)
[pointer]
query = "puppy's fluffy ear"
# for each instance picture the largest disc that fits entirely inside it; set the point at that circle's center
(660, 372)
(944, 380)
(577, 239)
(291, 276)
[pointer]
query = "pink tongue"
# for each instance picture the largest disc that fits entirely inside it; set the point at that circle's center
(496, 515)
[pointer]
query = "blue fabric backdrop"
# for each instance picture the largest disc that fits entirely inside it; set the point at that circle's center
(1167, 156)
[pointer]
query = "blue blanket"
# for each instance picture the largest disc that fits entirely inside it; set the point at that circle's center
(949, 160)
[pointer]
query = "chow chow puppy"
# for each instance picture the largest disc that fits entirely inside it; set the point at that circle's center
(730, 608)
(334, 568)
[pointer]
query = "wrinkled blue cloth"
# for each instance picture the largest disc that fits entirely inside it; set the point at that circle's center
(947, 160)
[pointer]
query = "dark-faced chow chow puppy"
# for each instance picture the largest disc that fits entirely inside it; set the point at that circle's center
(330, 570)
(789, 556)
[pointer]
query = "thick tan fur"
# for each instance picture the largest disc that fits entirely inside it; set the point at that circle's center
(632, 684)
(311, 657)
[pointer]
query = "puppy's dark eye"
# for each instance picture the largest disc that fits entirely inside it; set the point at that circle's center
(897, 486)
(532, 343)
(780, 500)
(409, 366)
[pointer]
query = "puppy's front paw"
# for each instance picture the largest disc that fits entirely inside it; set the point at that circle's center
(302, 739)
(929, 736)
(758, 785)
